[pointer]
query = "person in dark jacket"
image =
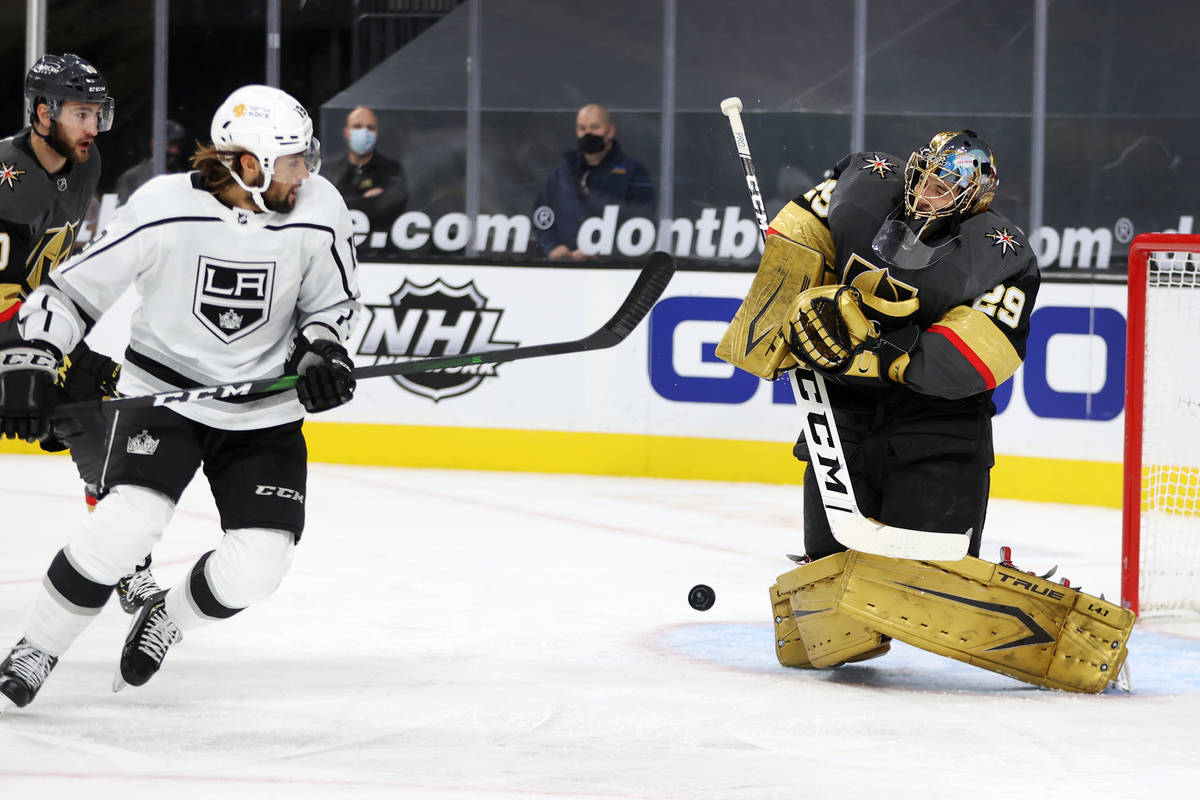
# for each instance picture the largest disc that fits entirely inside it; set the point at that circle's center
(368, 180)
(595, 174)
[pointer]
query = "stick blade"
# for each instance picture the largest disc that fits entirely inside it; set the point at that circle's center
(648, 287)
(869, 536)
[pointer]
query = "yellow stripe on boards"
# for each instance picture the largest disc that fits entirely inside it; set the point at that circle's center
(1013, 477)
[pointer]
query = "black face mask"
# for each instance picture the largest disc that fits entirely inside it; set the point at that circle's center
(590, 143)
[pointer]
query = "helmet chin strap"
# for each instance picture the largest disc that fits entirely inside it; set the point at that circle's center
(50, 139)
(255, 192)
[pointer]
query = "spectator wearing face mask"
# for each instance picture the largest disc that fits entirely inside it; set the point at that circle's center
(368, 180)
(593, 174)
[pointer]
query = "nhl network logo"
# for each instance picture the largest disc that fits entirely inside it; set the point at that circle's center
(434, 320)
(141, 444)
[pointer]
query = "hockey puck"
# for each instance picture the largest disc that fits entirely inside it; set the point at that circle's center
(701, 597)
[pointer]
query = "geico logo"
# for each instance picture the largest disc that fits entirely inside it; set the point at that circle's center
(684, 332)
(280, 491)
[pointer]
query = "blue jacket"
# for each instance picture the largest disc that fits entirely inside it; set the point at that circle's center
(574, 191)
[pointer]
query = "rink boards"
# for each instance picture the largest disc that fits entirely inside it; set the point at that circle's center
(660, 404)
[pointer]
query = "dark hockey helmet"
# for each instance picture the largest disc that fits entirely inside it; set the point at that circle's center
(954, 175)
(56, 79)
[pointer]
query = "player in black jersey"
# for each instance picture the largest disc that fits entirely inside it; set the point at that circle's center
(48, 175)
(920, 308)
(912, 296)
(950, 285)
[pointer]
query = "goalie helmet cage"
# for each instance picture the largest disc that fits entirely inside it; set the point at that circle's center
(1160, 564)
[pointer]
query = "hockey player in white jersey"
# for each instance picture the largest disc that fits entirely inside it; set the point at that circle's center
(245, 269)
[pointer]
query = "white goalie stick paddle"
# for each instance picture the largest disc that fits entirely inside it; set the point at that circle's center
(649, 286)
(826, 459)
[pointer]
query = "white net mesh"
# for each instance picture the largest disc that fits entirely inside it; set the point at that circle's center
(1169, 544)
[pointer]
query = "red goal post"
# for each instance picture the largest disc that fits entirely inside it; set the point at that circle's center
(1160, 564)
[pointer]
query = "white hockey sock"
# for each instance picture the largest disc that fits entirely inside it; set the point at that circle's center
(49, 624)
(246, 567)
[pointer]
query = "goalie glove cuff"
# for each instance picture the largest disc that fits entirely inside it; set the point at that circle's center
(881, 360)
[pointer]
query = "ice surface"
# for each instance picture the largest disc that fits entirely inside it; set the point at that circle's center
(457, 635)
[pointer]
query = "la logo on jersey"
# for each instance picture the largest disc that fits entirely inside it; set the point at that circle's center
(434, 320)
(233, 298)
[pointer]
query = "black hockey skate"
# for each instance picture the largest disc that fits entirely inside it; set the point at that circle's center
(133, 589)
(151, 634)
(24, 672)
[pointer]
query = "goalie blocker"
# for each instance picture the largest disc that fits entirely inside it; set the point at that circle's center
(845, 607)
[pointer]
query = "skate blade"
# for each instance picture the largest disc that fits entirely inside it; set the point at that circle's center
(1124, 681)
(118, 682)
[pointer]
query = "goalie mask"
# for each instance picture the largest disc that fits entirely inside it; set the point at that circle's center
(950, 179)
(954, 175)
(54, 80)
(272, 126)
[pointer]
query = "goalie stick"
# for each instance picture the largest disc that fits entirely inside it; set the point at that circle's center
(648, 287)
(846, 522)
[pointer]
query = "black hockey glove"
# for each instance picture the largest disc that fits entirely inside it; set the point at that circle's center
(325, 370)
(28, 373)
(90, 375)
(881, 360)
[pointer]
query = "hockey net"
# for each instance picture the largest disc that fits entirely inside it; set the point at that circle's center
(1160, 570)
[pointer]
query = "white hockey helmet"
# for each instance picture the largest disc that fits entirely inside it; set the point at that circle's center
(275, 128)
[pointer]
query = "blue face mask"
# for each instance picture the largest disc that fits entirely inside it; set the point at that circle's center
(362, 140)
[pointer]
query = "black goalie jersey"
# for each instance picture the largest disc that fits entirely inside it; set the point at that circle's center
(975, 299)
(40, 215)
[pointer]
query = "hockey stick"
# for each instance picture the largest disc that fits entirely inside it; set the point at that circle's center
(846, 522)
(648, 287)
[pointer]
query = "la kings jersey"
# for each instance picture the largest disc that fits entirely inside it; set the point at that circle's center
(223, 292)
(40, 215)
(975, 302)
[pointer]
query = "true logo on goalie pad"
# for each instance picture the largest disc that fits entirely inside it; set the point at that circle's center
(434, 319)
(233, 298)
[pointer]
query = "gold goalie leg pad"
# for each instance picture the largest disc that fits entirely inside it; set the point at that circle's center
(753, 340)
(809, 630)
(991, 616)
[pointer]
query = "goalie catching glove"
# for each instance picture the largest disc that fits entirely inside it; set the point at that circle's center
(830, 331)
(325, 370)
(28, 373)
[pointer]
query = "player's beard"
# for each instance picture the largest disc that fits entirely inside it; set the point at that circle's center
(68, 149)
(280, 197)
